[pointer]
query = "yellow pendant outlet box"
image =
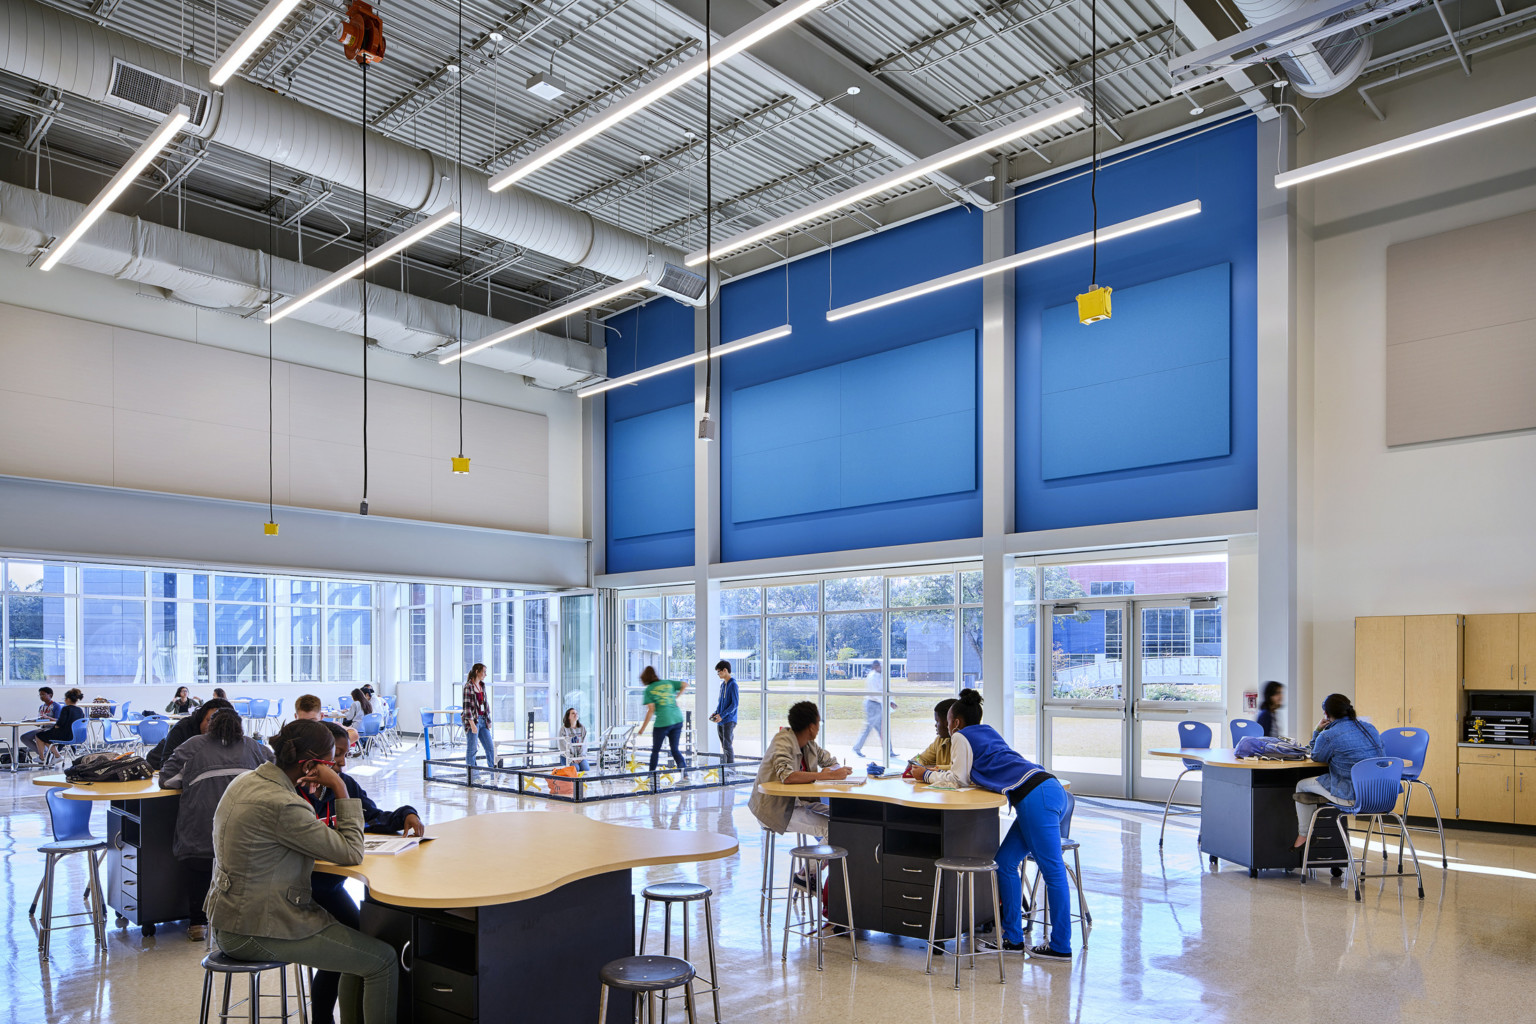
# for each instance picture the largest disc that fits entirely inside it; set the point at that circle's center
(269, 529)
(460, 463)
(1093, 305)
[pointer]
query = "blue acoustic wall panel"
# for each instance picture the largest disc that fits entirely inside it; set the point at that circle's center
(1148, 387)
(882, 428)
(1081, 463)
(650, 439)
(826, 449)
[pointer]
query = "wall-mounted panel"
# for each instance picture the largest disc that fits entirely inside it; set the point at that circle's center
(1150, 386)
(650, 475)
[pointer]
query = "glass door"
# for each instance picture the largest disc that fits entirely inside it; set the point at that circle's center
(1085, 706)
(1180, 671)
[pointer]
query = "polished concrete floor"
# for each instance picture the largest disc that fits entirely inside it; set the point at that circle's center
(1172, 941)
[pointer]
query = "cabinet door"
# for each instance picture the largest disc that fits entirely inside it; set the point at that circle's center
(1486, 792)
(863, 843)
(1432, 655)
(1527, 670)
(1525, 796)
(1493, 651)
(1379, 669)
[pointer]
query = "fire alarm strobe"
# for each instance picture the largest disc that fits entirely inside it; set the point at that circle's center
(362, 34)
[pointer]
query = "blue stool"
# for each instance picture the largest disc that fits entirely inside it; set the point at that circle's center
(219, 962)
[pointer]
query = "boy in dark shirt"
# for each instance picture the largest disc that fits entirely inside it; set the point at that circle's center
(328, 888)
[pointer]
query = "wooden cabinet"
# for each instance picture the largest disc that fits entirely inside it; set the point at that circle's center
(1407, 668)
(1527, 670)
(1492, 652)
(1486, 792)
(1525, 795)
(1379, 669)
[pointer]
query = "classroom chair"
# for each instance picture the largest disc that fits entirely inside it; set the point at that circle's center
(1412, 745)
(1378, 783)
(80, 742)
(1193, 735)
(153, 730)
(1244, 727)
(642, 977)
(71, 821)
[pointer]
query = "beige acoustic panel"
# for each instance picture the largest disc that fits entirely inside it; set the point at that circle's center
(1461, 332)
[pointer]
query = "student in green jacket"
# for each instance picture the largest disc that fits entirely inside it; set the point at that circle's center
(661, 704)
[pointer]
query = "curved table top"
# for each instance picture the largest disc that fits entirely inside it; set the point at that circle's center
(487, 859)
(1226, 757)
(144, 789)
(893, 789)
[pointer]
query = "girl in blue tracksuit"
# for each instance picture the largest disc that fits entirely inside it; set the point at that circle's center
(981, 757)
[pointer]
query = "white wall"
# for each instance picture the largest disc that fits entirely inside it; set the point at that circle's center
(101, 383)
(1436, 528)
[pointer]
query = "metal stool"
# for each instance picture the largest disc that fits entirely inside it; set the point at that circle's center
(219, 962)
(1033, 907)
(55, 852)
(668, 893)
(813, 858)
(769, 891)
(644, 976)
(965, 870)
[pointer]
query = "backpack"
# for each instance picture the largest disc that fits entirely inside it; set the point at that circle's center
(1269, 748)
(101, 708)
(105, 767)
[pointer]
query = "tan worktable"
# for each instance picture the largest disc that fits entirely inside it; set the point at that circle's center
(892, 790)
(143, 789)
(1226, 757)
(489, 859)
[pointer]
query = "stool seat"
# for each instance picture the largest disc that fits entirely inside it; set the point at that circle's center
(819, 852)
(222, 962)
(677, 892)
(73, 846)
(646, 973)
(966, 864)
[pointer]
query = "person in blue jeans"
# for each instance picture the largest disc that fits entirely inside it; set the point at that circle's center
(981, 757)
(725, 712)
(477, 718)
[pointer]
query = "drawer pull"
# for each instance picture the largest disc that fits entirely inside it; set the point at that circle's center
(439, 987)
(404, 950)
(129, 881)
(914, 899)
(913, 871)
(130, 856)
(909, 924)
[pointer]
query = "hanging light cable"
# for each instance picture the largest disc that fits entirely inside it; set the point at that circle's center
(362, 508)
(460, 462)
(269, 528)
(1093, 305)
(706, 426)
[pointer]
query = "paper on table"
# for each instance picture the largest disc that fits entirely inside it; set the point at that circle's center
(390, 845)
(852, 780)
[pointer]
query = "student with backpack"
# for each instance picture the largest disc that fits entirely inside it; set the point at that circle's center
(1340, 741)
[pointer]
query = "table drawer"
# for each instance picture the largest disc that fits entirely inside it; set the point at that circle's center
(916, 870)
(905, 922)
(1525, 759)
(1479, 755)
(908, 896)
(440, 986)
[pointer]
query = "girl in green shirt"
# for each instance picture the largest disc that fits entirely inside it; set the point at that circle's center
(661, 703)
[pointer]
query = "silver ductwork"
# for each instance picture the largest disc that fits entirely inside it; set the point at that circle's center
(203, 272)
(1319, 68)
(75, 56)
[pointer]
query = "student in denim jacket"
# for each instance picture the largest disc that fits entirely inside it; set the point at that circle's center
(1340, 741)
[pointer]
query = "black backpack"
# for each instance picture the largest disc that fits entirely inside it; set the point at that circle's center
(104, 767)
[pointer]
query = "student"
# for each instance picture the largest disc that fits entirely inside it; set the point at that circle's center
(329, 889)
(361, 706)
(725, 712)
(63, 729)
(184, 730)
(218, 691)
(47, 711)
(795, 758)
(266, 840)
(203, 768)
(573, 740)
(308, 707)
(661, 703)
(874, 722)
(983, 758)
(476, 717)
(1274, 700)
(182, 703)
(1340, 741)
(937, 755)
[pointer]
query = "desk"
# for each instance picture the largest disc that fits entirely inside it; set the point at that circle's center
(1247, 815)
(16, 727)
(510, 916)
(143, 878)
(894, 829)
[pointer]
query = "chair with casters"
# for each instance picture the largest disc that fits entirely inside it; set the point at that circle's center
(1244, 727)
(71, 821)
(1074, 874)
(1412, 745)
(1378, 783)
(1192, 735)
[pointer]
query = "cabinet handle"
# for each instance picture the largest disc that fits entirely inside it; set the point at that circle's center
(1398, 715)
(439, 987)
(128, 882)
(1410, 716)
(913, 871)
(914, 899)
(404, 950)
(130, 856)
(909, 924)
(877, 853)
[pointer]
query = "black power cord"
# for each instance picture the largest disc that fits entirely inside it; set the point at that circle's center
(362, 508)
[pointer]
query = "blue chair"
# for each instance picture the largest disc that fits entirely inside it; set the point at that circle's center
(1192, 736)
(122, 712)
(71, 820)
(1378, 783)
(1412, 745)
(257, 712)
(113, 741)
(242, 706)
(153, 730)
(79, 744)
(344, 703)
(390, 699)
(277, 715)
(1244, 727)
(368, 728)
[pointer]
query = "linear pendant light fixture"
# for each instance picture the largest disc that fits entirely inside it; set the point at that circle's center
(256, 33)
(1416, 140)
(748, 35)
(126, 175)
(560, 312)
(1044, 252)
(773, 333)
(911, 172)
(404, 240)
